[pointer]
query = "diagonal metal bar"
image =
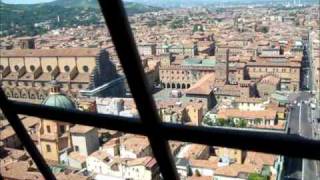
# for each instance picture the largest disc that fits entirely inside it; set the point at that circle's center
(268, 142)
(122, 37)
(9, 111)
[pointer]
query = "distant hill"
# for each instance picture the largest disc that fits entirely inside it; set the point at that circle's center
(131, 7)
(75, 3)
(33, 19)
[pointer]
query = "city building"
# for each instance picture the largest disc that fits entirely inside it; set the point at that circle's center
(54, 136)
(26, 73)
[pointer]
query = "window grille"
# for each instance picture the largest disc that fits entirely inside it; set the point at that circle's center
(158, 133)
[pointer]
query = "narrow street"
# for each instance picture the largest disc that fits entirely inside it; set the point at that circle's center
(300, 122)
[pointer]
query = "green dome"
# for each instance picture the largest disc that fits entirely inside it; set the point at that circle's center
(59, 100)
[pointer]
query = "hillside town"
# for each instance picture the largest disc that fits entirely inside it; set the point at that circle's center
(234, 68)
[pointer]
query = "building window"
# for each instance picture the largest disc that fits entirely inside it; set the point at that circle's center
(49, 68)
(62, 129)
(16, 67)
(85, 68)
(32, 68)
(1, 67)
(48, 129)
(48, 148)
(76, 148)
(67, 68)
(80, 86)
(25, 83)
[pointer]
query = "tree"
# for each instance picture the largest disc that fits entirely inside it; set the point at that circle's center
(242, 123)
(220, 122)
(197, 172)
(258, 120)
(177, 23)
(264, 29)
(230, 123)
(256, 176)
(197, 27)
(151, 23)
(208, 121)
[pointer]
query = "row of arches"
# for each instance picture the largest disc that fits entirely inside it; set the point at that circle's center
(25, 93)
(175, 85)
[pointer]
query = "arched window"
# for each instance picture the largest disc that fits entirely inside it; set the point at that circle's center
(173, 85)
(183, 86)
(188, 85)
(178, 86)
(85, 68)
(67, 68)
(168, 85)
(1, 68)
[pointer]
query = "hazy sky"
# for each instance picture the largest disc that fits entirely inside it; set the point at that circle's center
(25, 1)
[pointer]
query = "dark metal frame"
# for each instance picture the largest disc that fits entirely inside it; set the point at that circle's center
(158, 133)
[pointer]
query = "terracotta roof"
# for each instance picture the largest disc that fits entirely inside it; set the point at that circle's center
(77, 156)
(260, 159)
(7, 132)
(81, 129)
(195, 150)
(77, 52)
(264, 114)
(62, 176)
(234, 170)
(101, 155)
(203, 163)
(270, 79)
(30, 121)
(19, 170)
(134, 143)
(203, 86)
(199, 178)
(148, 162)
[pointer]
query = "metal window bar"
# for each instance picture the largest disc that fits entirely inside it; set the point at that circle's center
(150, 125)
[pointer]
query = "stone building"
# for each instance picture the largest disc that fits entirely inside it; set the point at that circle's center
(185, 75)
(268, 85)
(286, 68)
(182, 49)
(54, 136)
(25, 73)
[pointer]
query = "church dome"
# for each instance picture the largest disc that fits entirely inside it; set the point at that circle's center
(59, 100)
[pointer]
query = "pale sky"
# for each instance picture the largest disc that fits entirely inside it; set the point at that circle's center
(25, 1)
